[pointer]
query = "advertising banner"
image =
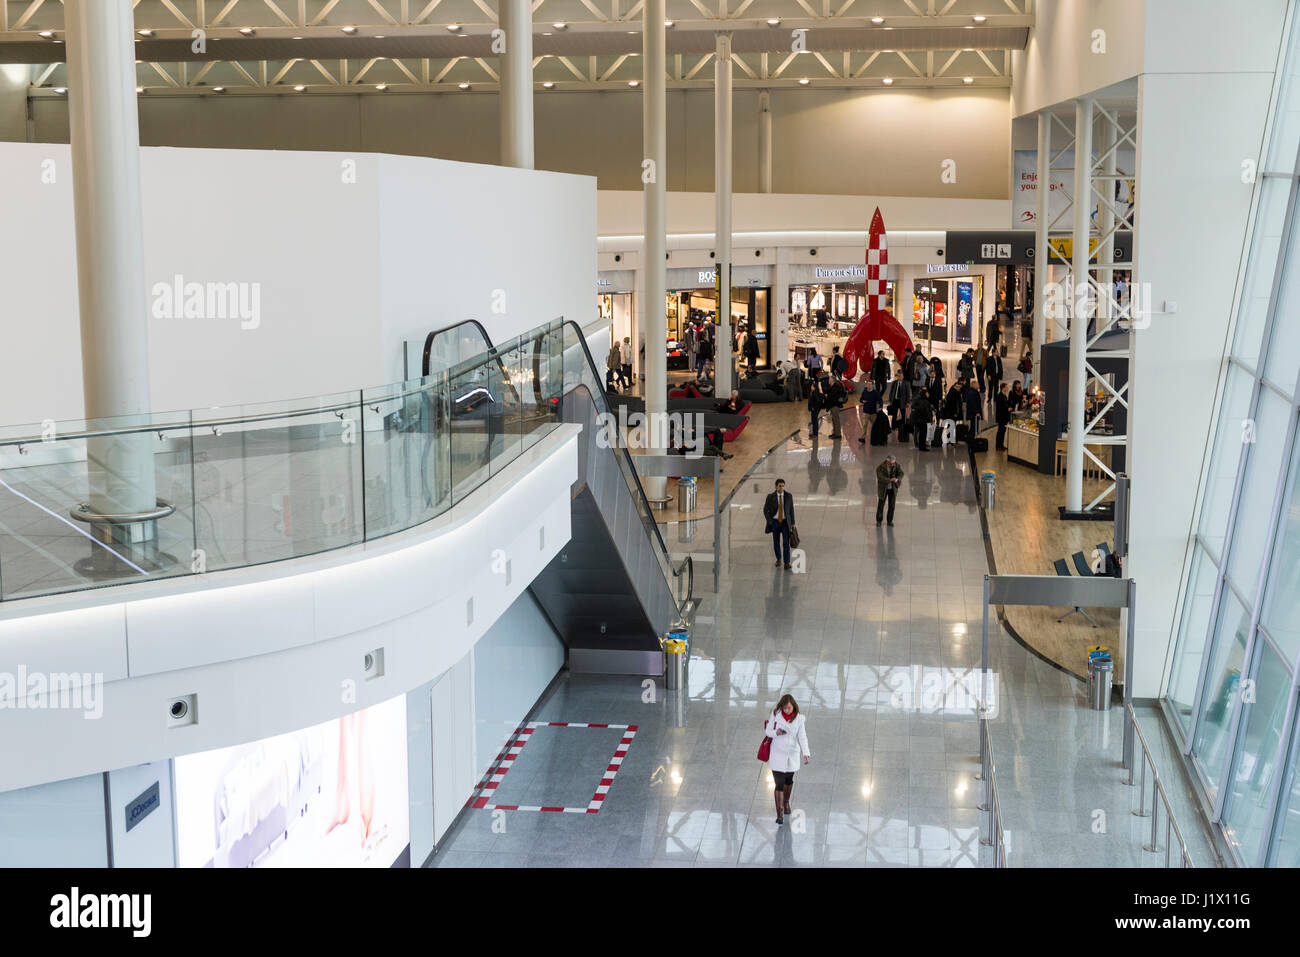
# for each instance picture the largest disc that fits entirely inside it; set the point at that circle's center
(333, 795)
(1024, 194)
(965, 302)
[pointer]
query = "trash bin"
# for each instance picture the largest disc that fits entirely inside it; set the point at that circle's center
(1101, 673)
(989, 487)
(686, 494)
(675, 657)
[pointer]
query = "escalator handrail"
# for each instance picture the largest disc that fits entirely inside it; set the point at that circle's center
(428, 340)
(627, 456)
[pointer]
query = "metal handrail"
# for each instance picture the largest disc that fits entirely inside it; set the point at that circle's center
(1185, 859)
(988, 775)
(687, 565)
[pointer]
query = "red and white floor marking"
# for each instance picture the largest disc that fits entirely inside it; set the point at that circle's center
(506, 760)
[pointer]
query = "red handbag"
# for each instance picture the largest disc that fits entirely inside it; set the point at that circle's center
(765, 749)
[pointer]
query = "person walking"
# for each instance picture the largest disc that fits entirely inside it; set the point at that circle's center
(703, 353)
(888, 475)
(614, 368)
(789, 737)
(981, 361)
(813, 363)
(993, 333)
(921, 418)
(869, 406)
(966, 365)
(993, 370)
(953, 405)
(836, 396)
(778, 509)
(816, 402)
(1026, 367)
(1002, 415)
(880, 371)
(974, 410)
(751, 351)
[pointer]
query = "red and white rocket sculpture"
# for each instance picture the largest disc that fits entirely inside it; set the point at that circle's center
(877, 323)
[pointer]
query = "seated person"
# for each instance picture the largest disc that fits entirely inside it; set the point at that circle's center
(732, 405)
(704, 384)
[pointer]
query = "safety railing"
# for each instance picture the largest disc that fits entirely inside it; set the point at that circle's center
(89, 504)
(1157, 791)
(996, 839)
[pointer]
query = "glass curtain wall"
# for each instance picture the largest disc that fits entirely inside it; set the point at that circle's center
(1231, 689)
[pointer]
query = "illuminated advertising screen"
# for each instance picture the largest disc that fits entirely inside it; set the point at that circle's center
(965, 302)
(333, 795)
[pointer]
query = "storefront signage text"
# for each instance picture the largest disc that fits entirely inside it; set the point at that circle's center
(841, 272)
(947, 267)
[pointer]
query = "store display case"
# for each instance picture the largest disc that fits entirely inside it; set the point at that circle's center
(1022, 438)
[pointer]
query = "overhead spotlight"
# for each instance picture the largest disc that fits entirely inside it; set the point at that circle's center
(549, 85)
(774, 22)
(633, 82)
(247, 31)
(139, 89)
(805, 81)
(463, 86)
(453, 27)
(559, 26)
(968, 27)
(380, 36)
(218, 89)
(297, 38)
(299, 88)
(46, 34)
(61, 90)
(145, 33)
(968, 80)
(668, 24)
(979, 18)
(381, 86)
(349, 30)
(888, 80)
(631, 33)
(877, 20)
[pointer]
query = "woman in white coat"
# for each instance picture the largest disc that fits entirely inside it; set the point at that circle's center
(789, 741)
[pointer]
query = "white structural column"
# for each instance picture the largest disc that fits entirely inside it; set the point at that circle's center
(110, 248)
(1106, 136)
(722, 192)
(517, 84)
(764, 141)
(1042, 266)
(1080, 298)
(654, 176)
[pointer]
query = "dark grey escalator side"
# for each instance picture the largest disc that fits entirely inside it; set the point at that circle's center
(605, 592)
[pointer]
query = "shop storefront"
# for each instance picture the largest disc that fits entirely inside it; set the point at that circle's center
(948, 309)
(615, 299)
(693, 297)
(825, 303)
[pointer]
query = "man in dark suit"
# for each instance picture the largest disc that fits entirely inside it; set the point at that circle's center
(993, 372)
(779, 512)
(1002, 416)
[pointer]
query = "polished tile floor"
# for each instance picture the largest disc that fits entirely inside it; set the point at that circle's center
(878, 638)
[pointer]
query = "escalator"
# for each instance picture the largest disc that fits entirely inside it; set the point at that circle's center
(613, 590)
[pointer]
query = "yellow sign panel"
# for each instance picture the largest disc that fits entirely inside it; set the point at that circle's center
(1065, 246)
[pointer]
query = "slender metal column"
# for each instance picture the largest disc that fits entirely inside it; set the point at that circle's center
(654, 176)
(1106, 135)
(113, 302)
(1079, 301)
(722, 191)
(1041, 265)
(516, 17)
(764, 141)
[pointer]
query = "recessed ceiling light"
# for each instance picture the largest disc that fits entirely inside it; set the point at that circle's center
(145, 33)
(877, 20)
(668, 24)
(888, 80)
(968, 79)
(349, 30)
(247, 31)
(379, 36)
(559, 26)
(804, 82)
(299, 88)
(774, 22)
(463, 86)
(297, 38)
(631, 33)
(633, 82)
(453, 27)
(968, 27)
(979, 18)
(381, 86)
(549, 84)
